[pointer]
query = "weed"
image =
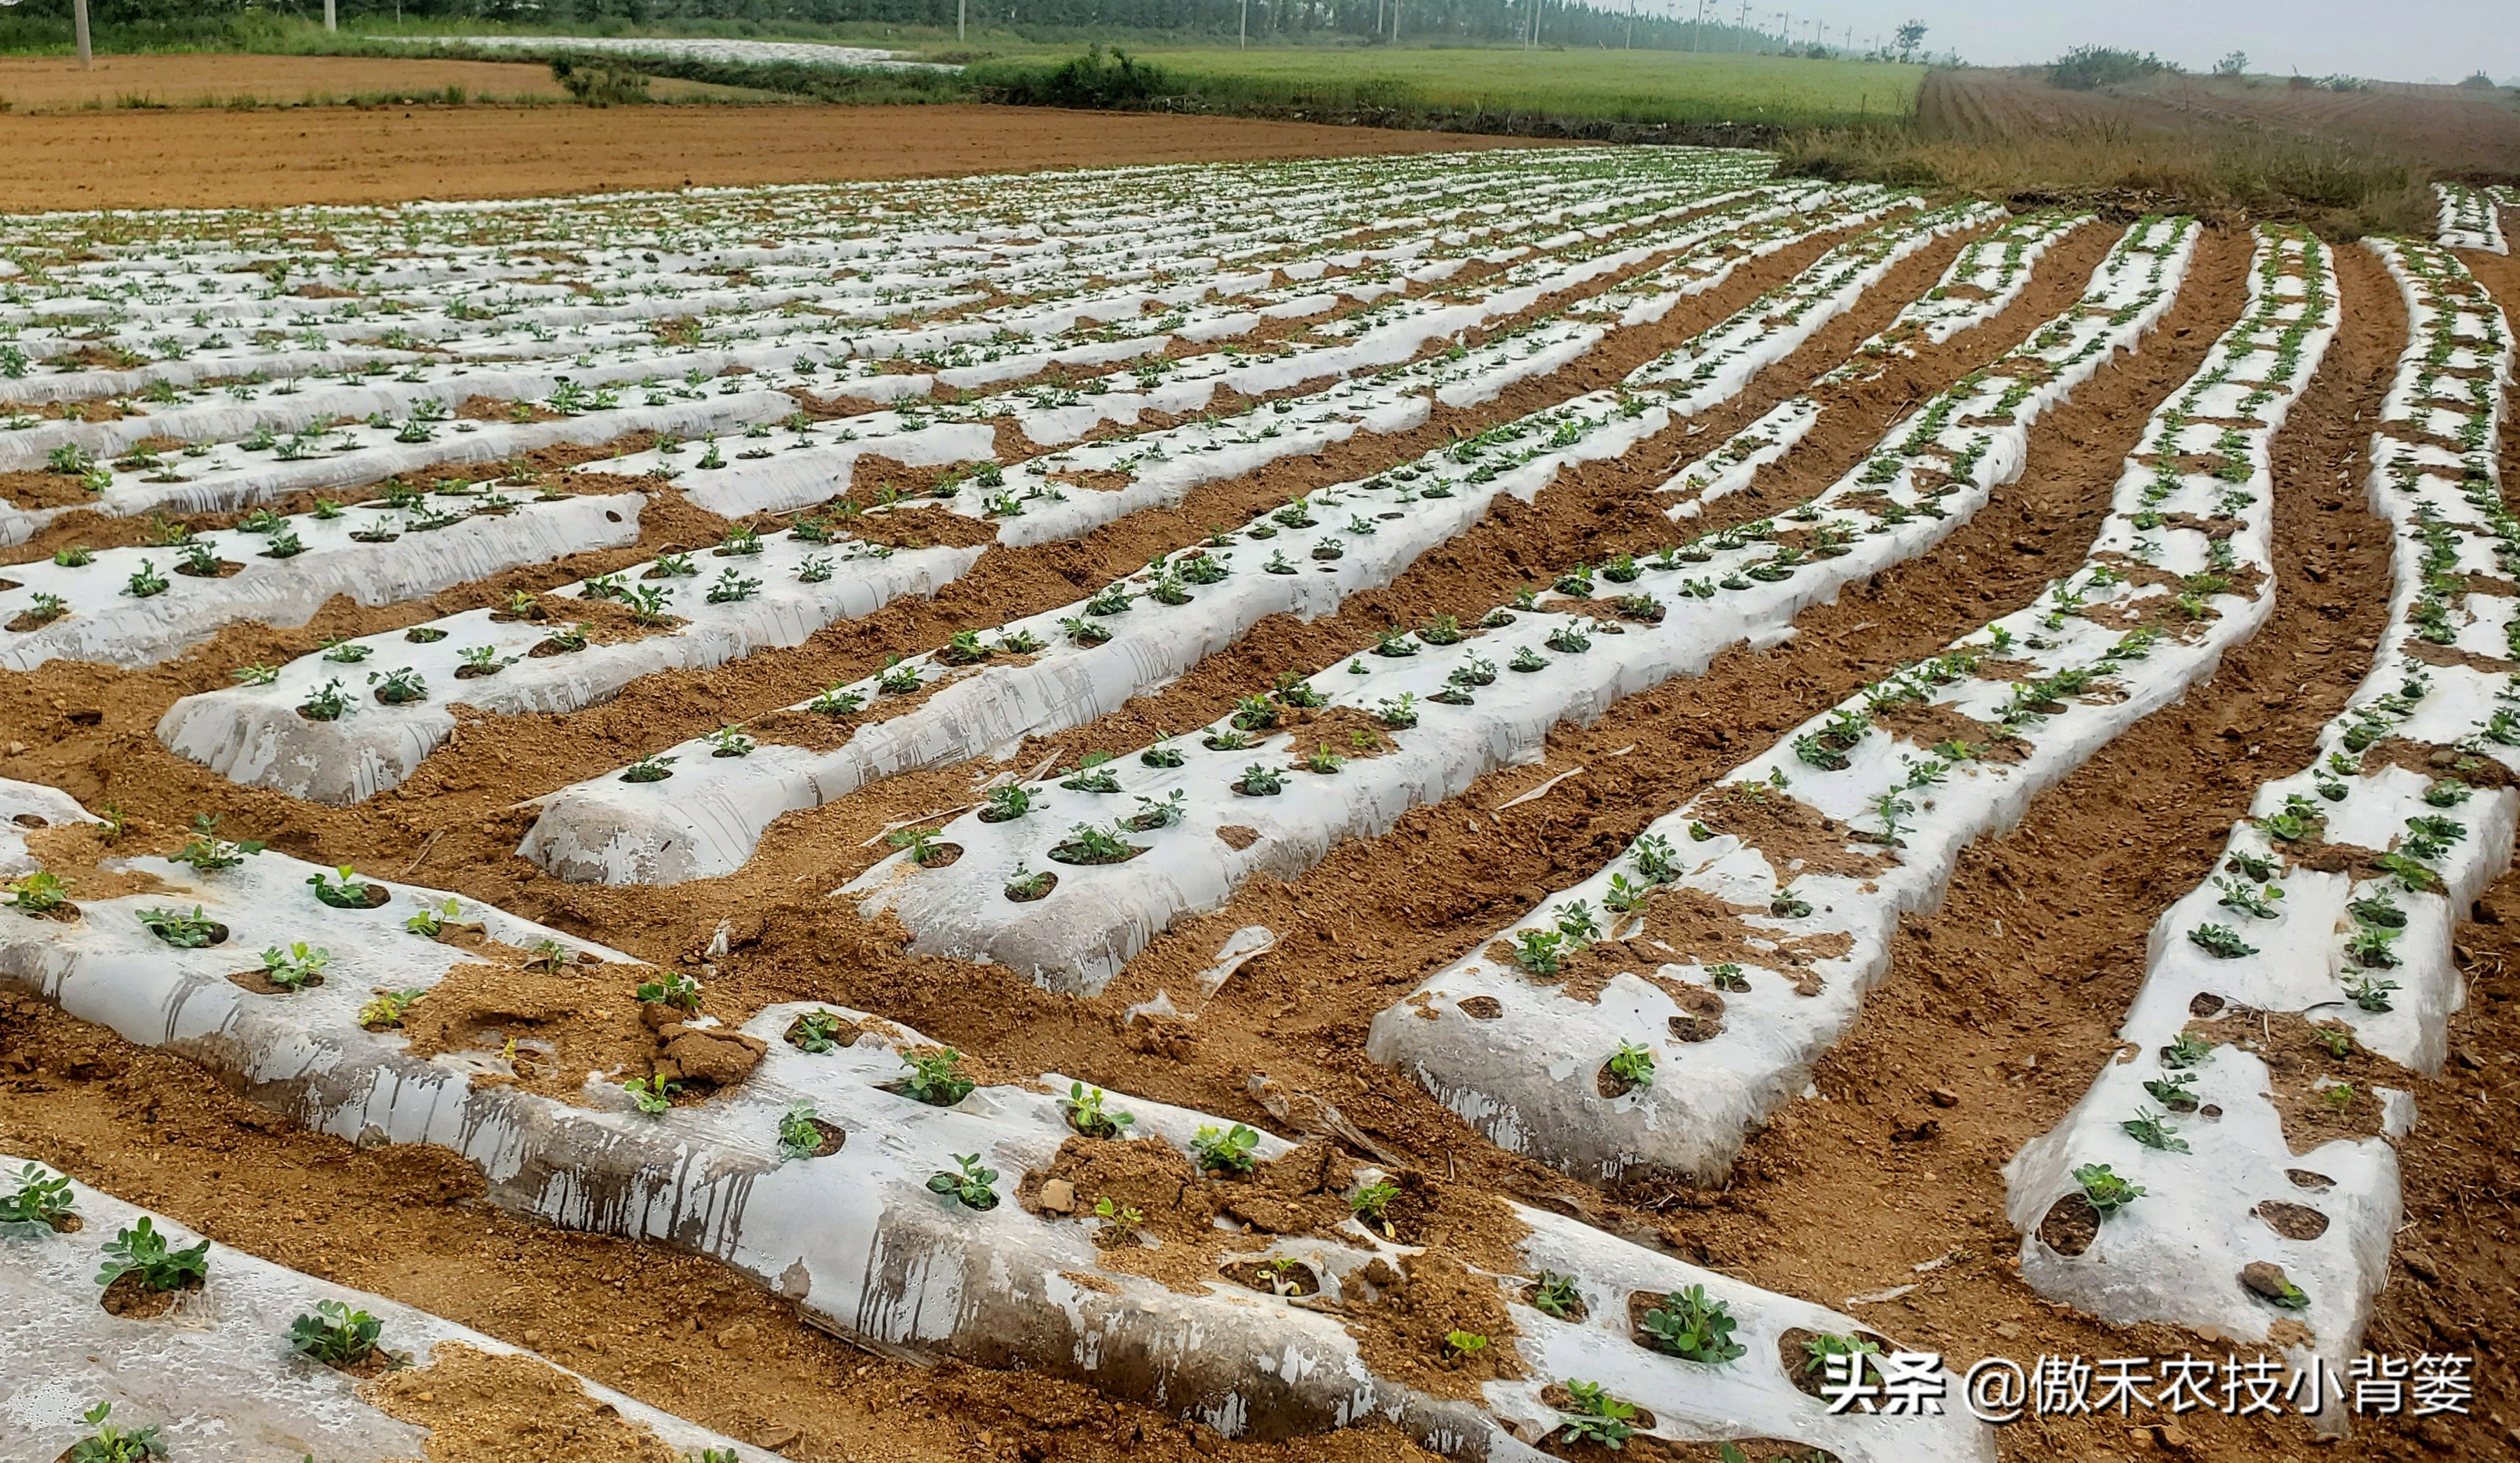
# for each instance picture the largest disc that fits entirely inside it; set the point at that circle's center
(1084, 1106)
(936, 1078)
(143, 1251)
(966, 1183)
(1690, 1325)
(1228, 1151)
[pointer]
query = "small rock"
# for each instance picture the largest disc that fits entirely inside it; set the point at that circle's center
(2267, 1278)
(2008, 1330)
(1058, 1196)
(777, 1437)
(713, 1054)
(16, 748)
(2169, 1438)
(735, 1335)
(1944, 1097)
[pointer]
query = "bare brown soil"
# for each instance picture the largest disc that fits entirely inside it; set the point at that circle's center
(56, 83)
(191, 159)
(1999, 1006)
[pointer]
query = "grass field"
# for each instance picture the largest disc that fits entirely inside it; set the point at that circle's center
(1627, 86)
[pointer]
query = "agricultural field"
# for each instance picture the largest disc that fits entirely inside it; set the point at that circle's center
(1486, 803)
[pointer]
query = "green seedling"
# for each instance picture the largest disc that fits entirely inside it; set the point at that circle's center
(1690, 1325)
(937, 1076)
(2105, 1191)
(347, 890)
(1371, 1205)
(2148, 1128)
(295, 968)
(185, 931)
(1084, 1106)
(142, 1251)
(2220, 941)
(1633, 1065)
(207, 852)
(109, 1443)
(655, 1094)
(966, 1183)
(385, 1008)
(42, 1197)
(798, 1137)
(1226, 1151)
(1593, 1415)
(39, 893)
(1554, 1295)
(336, 1335)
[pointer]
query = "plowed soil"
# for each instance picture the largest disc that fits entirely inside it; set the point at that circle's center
(2033, 954)
(340, 154)
(57, 83)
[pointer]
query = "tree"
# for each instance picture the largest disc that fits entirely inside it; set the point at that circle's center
(1910, 36)
(2234, 65)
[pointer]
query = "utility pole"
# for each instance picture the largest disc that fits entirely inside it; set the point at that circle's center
(1245, 39)
(1631, 25)
(78, 13)
(1697, 36)
(962, 18)
(329, 21)
(1395, 22)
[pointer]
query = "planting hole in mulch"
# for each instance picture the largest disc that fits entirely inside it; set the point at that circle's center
(422, 634)
(368, 896)
(1555, 1394)
(2205, 1003)
(1482, 1008)
(1807, 1377)
(1079, 854)
(938, 856)
(833, 1136)
(843, 1034)
(2294, 1221)
(1270, 1278)
(31, 820)
(261, 983)
(1032, 887)
(1237, 837)
(1701, 1013)
(2307, 1178)
(470, 672)
(227, 569)
(2070, 1226)
(130, 1298)
(1611, 1085)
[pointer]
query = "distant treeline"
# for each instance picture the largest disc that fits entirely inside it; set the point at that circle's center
(1278, 21)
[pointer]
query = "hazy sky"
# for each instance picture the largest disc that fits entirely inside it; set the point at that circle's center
(2398, 40)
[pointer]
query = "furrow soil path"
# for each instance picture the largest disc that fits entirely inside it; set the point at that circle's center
(2008, 997)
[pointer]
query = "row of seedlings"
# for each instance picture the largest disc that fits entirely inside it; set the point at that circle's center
(145, 603)
(1652, 1017)
(132, 1340)
(2231, 1167)
(1168, 1256)
(304, 729)
(1988, 276)
(1067, 667)
(332, 448)
(1343, 754)
(1086, 295)
(1386, 364)
(2468, 218)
